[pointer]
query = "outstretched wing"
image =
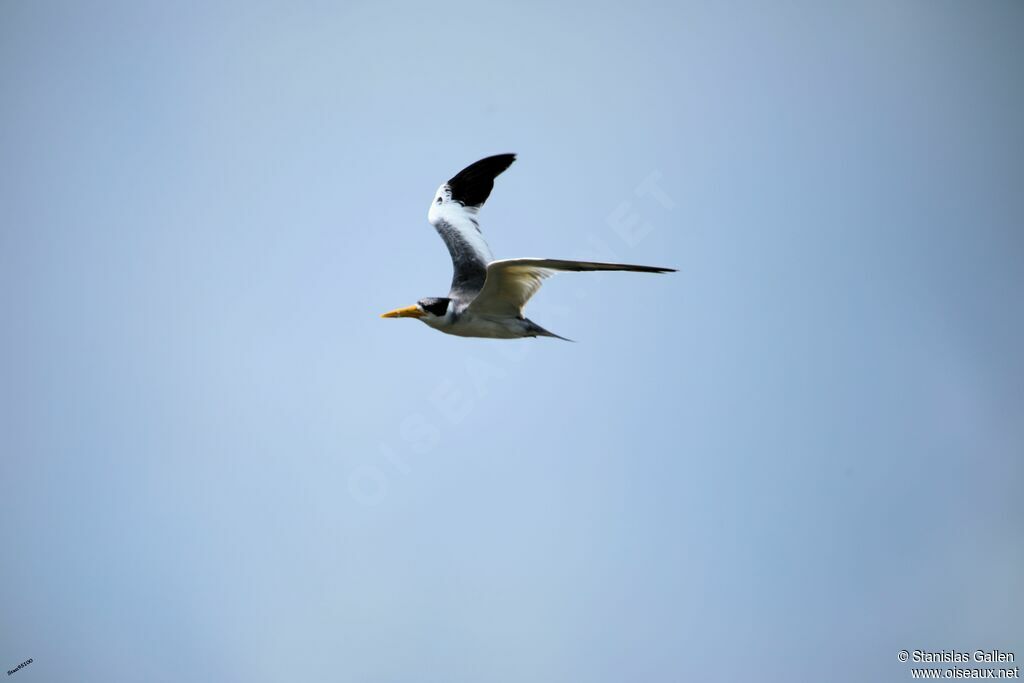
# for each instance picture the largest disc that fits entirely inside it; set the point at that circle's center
(511, 282)
(453, 212)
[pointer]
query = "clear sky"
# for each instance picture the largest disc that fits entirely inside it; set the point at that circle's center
(791, 459)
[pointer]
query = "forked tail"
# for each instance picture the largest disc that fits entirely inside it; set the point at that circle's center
(538, 331)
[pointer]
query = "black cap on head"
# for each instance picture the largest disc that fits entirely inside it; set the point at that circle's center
(437, 306)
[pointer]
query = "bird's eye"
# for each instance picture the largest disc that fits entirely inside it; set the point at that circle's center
(438, 200)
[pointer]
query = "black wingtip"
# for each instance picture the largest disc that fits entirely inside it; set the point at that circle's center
(472, 185)
(652, 269)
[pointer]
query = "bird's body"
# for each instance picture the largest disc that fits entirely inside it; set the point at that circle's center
(494, 328)
(487, 297)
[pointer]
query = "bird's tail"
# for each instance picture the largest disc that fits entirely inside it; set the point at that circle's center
(538, 331)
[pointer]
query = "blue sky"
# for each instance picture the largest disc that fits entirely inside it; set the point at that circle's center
(791, 459)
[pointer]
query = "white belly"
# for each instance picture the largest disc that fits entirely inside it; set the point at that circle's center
(493, 328)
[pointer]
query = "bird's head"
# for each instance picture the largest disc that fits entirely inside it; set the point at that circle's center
(432, 310)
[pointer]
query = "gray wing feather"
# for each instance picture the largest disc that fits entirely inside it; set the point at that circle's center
(511, 282)
(469, 266)
(453, 212)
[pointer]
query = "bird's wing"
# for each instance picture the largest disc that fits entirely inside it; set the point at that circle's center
(454, 213)
(511, 282)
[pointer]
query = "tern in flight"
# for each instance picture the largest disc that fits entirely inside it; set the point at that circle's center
(487, 296)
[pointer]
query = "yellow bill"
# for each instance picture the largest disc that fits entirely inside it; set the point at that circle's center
(407, 312)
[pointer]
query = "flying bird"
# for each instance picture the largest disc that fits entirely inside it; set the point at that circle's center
(487, 297)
